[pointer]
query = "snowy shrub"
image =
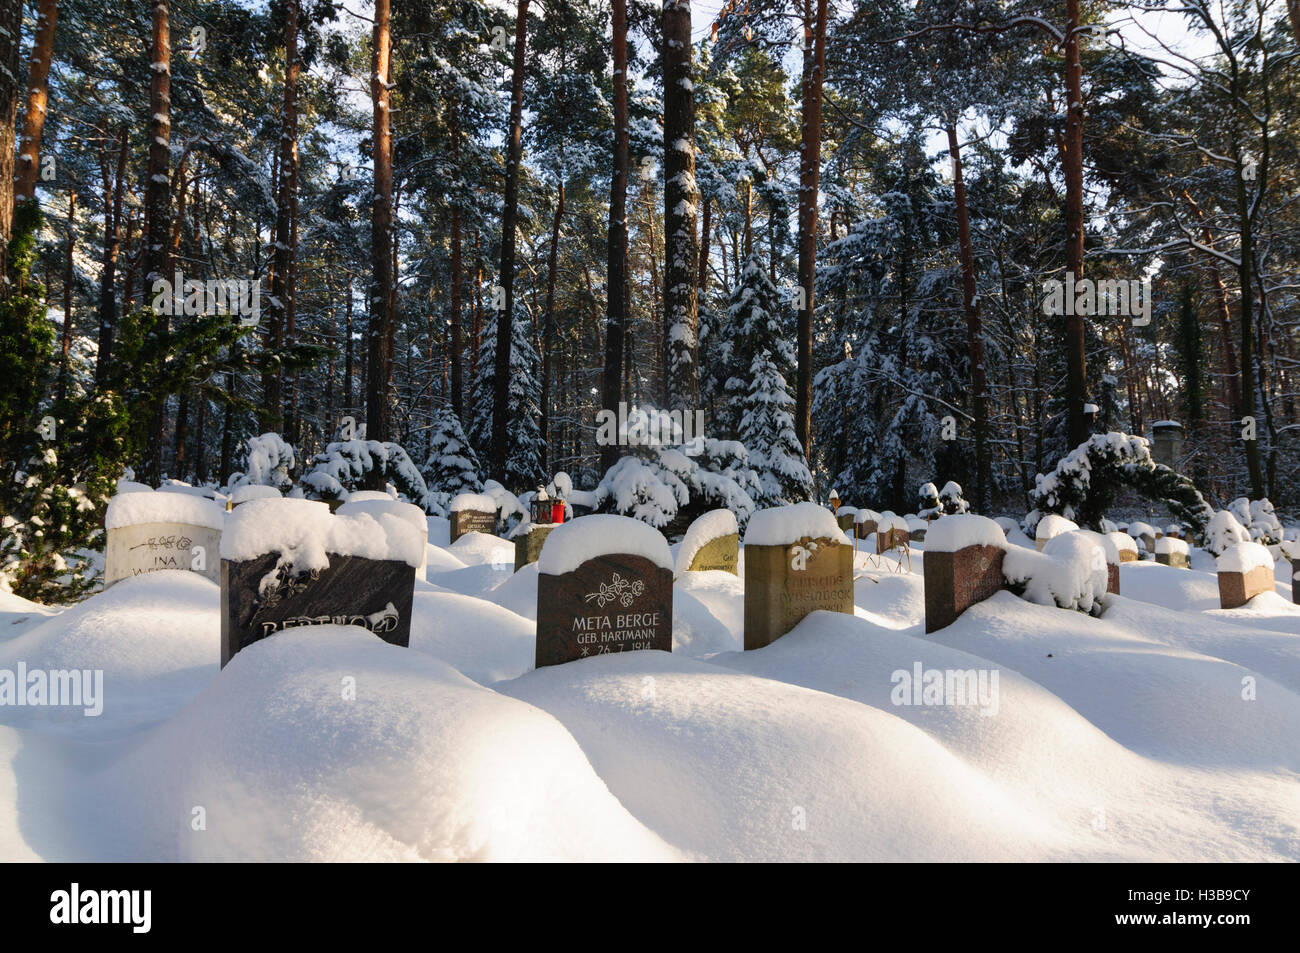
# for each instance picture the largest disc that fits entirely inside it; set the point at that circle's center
(266, 463)
(951, 498)
(655, 488)
(1224, 531)
(928, 504)
(451, 466)
(1070, 573)
(510, 508)
(346, 465)
(1258, 518)
(1085, 481)
(644, 490)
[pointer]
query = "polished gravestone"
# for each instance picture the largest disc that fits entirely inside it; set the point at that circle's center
(472, 513)
(604, 585)
(149, 531)
(797, 560)
(963, 566)
(270, 581)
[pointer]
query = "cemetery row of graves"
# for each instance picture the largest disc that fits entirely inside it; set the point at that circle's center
(605, 582)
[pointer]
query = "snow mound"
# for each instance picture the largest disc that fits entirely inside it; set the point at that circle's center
(156, 637)
(139, 506)
(1243, 557)
(420, 764)
(952, 533)
(1069, 573)
(572, 544)
(763, 766)
(1053, 525)
(304, 531)
(786, 525)
(473, 501)
(1166, 545)
(253, 491)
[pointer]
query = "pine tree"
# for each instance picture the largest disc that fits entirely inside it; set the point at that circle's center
(753, 325)
(524, 444)
(451, 466)
(768, 433)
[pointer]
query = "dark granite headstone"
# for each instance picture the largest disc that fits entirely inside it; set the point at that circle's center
(1295, 580)
(864, 528)
(1238, 588)
(375, 594)
(956, 581)
(613, 603)
(472, 521)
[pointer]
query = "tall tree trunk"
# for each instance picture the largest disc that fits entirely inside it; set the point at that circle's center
(381, 236)
(509, 212)
(457, 281)
(681, 199)
(548, 333)
(347, 365)
(616, 283)
(974, 330)
(271, 413)
(112, 248)
(1246, 278)
(810, 159)
(11, 31)
(29, 149)
(1072, 154)
(67, 296)
(157, 200)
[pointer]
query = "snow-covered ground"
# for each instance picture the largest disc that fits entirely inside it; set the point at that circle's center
(1166, 729)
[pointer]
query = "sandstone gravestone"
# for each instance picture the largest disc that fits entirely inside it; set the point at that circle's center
(1127, 546)
(291, 563)
(604, 585)
(1173, 552)
(149, 531)
(797, 560)
(963, 566)
(472, 513)
(1245, 570)
(712, 542)
(845, 516)
(528, 545)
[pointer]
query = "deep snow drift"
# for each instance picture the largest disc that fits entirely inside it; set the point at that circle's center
(1165, 729)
